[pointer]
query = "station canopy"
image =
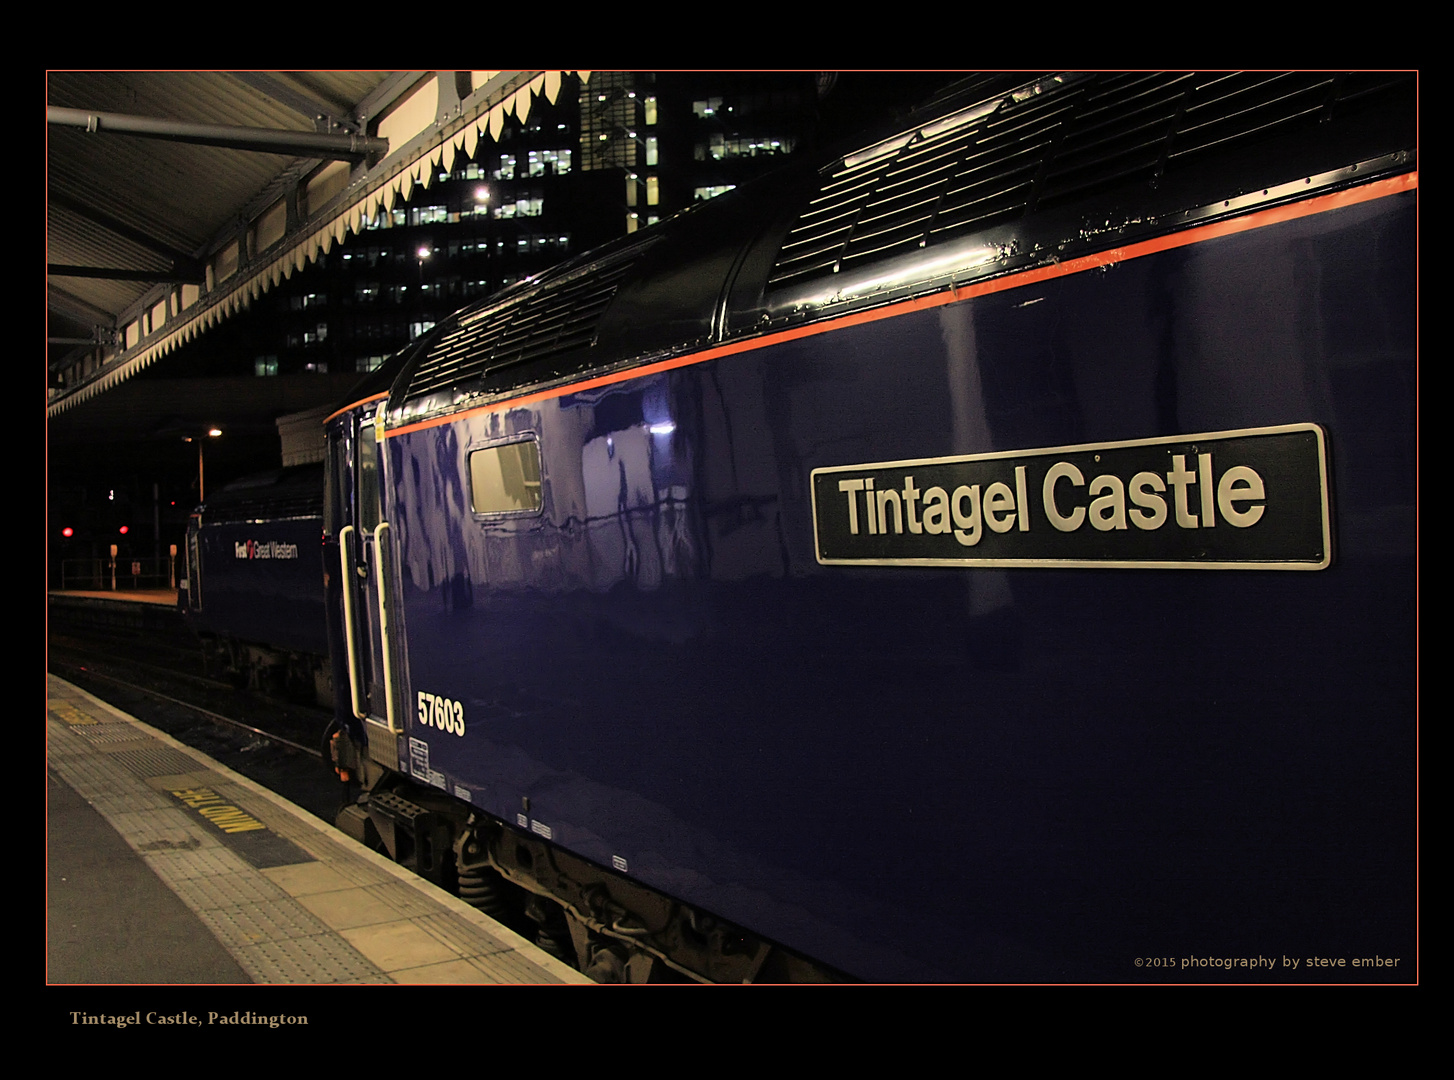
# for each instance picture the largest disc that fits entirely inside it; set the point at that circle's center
(175, 199)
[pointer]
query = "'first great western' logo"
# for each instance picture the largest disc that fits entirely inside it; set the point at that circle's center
(264, 549)
(1249, 499)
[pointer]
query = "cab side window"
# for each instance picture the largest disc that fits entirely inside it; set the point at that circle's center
(506, 479)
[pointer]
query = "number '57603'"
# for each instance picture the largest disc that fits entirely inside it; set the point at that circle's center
(442, 713)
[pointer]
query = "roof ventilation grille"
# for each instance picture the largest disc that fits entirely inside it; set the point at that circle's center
(557, 316)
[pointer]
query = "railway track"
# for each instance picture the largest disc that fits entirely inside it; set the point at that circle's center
(276, 744)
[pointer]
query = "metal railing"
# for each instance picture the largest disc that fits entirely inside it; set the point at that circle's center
(120, 573)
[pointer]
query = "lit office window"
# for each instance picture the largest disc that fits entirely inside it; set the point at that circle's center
(703, 193)
(719, 147)
(653, 191)
(649, 110)
(541, 162)
(532, 206)
(651, 150)
(265, 365)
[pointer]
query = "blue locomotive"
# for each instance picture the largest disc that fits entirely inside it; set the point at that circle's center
(252, 592)
(986, 555)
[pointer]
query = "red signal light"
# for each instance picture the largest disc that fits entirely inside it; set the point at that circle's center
(68, 532)
(124, 530)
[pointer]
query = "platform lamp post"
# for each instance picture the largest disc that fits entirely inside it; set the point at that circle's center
(423, 252)
(212, 433)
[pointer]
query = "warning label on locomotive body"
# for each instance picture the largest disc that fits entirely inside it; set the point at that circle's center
(1248, 499)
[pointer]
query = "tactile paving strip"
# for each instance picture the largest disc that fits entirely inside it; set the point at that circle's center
(100, 734)
(156, 761)
(244, 926)
(320, 959)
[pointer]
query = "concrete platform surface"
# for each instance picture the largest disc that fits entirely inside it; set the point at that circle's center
(165, 867)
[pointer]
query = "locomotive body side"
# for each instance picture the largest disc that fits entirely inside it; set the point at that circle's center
(948, 638)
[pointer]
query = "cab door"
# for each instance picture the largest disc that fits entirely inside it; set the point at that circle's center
(365, 549)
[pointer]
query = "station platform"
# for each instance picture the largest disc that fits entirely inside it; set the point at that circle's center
(165, 867)
(158, 597)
